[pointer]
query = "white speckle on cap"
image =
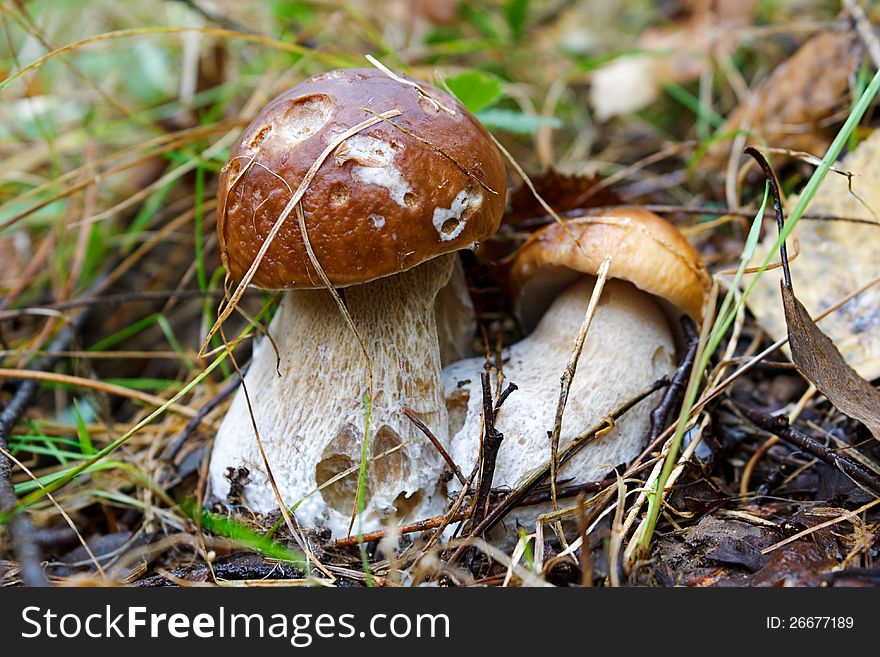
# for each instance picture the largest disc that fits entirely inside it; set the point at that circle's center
(300, 120)
(449, 222)
(374, 165)
(377, 219)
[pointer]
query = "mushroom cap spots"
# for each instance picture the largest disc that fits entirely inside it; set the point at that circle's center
(450, 222)
(645, 250)
(294, 122)
(389, 197)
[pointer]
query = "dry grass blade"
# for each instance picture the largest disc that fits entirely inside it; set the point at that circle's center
(351, 325)
(568, 377)
(61, 511)
(101, 386)
(822, 525)
(616, 535)
(424, 94)
(207, 31)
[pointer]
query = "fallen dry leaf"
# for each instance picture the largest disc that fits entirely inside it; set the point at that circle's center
(816, 357)
(835, 258)
(792, 108)
(563, 192)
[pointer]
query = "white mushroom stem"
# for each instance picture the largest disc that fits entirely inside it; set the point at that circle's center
(311, 412)
(455, 317)
(628, 347)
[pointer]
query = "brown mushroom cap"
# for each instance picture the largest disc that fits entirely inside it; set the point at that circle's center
(645, 250)
(387, 199)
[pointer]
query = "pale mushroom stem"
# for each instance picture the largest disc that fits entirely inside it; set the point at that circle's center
(311, 411)
(629, 346)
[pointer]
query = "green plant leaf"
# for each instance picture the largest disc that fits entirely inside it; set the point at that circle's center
(516, 12)
(82, 432)
(513, 121)
(475, 89)
(223, 526)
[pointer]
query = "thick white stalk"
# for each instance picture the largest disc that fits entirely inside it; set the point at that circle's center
(310, 411)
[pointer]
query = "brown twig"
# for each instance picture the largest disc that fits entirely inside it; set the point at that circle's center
(421, 426)
(778, 425)
(542, 496)
(511, 387)
(660, 414)
(777, 207)
(26, 546)
(419, 526)
(586, 563)
(492, 439)
(538, 475)
(568, 377)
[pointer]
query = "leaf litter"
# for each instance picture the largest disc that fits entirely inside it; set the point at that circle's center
(126, 512)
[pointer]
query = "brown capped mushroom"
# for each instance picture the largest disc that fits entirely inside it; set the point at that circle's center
(654, 276)
(384, 215)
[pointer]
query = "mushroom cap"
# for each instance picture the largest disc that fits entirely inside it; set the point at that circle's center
(389, 197)
(645, 250)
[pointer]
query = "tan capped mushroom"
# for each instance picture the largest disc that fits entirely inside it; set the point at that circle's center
(384, 216)
(654, 277)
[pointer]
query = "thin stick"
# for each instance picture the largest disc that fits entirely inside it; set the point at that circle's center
(492, 439)
(586, 561)
(779, 426)
(568, 377)
(660, 415)
(421, 426)
(411, 528)
(777, 207)
(822, 525)
(101, 386)
(616, 535)
(567, 452)
(410, 83)
(202, 413)
(61, 510)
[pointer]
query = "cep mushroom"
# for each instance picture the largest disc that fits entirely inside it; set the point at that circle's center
(654, 276)
(384, 215)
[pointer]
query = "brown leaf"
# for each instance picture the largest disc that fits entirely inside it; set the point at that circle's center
(791, 108)
(837, 258)
(816, 357)
(562, 192)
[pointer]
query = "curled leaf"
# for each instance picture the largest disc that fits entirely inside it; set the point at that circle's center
(816, 358)
(793, 108)
(835, 258)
